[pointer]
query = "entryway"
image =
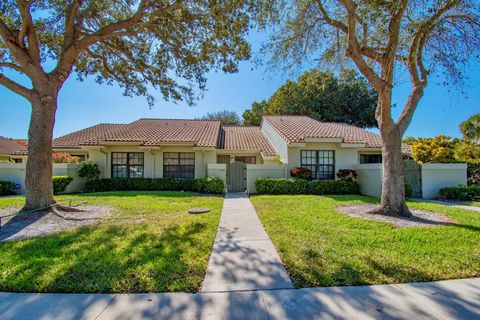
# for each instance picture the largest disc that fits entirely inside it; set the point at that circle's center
(237, 176)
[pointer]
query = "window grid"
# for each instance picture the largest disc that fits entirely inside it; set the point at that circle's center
(320, 162)
(179, 165)
(247, 159)
(370, 158)
(127, 164)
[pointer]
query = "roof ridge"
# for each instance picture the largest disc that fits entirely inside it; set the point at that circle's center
(172, 119)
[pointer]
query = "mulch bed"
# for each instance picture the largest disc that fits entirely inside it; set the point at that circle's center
(420, 218)
(29, 225)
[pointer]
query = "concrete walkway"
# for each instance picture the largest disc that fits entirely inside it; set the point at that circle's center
(452, 299)
(243, 256)
(450, 204)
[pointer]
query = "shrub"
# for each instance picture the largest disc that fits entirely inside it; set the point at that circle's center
(7, 188)
(209, 185)
(347, 175)
(301, 173)
(300, 186)
(89, 171)
(473, 174)
(460, 192)
(60, 183)
(408, 190)
(63, 157)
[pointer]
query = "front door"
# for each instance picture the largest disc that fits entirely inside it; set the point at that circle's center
(237, 177)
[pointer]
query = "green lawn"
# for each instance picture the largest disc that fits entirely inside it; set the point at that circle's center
(321, 247)
(167, 251)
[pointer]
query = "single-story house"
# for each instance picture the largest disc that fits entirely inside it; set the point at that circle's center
(239, 155)
(176, 148)
(8, 149)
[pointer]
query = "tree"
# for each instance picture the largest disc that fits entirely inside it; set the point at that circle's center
(226, 117)
(467, 151)
(471, 128)
(438, 149)
(320, 95)
(134, 43)
(382, 39)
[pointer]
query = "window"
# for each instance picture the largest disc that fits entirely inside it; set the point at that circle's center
(179, 165)
(320, 162)
(247, 159)
(370, 158)
(82, 157)
(127, 164)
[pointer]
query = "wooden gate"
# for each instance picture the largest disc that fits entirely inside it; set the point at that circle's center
(413, 177)
(237, 177)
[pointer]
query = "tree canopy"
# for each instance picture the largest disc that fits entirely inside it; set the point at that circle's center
(471, 128)
(323, 96)
(225, 117)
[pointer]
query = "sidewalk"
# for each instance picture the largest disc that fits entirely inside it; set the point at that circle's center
(243, 256)
(451, 299)
(450, 204)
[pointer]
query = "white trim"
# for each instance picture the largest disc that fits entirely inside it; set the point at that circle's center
(353, 145)
(296, 144)
(444, 166)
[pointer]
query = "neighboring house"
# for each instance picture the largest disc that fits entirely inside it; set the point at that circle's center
(174, 148)
(9, 148)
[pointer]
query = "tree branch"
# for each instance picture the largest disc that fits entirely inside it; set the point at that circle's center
(15, 87)
(27, 29)
(12, 66)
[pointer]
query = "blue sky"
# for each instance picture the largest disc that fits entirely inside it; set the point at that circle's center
(82, 104)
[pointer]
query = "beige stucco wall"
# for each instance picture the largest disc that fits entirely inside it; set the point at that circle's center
(345, 158)
(218, 170)
(153, 159)
(255, 171)
(275, 140)
(438, 175)
(370, 179)
(15, 172)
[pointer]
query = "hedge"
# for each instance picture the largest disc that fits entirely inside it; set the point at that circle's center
(301, 186)
(460, 192)
(60, 183)
(205, 185)
(7, 188)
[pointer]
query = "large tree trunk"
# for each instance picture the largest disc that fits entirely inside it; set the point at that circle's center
(38, 182)
(393, 183)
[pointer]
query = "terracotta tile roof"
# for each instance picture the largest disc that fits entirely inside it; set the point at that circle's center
(10, 146)
(74, 139)
(294, 129)
(245, 138)
(152, 132)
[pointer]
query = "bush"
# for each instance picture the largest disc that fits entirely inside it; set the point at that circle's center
(60, 183)
(7, 188)
(300, 186)
(89, 171)
(301, 173)
(205, 185)
(63, 157)
(209, 185)
(473, 174)
(460, 192)
(347, 175)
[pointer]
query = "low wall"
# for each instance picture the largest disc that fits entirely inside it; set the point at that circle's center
(370, 179)
(438, 175)
(255, 171)
(218, 170)
(15, 172)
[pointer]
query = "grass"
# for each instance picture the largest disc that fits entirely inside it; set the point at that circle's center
(322, 247)
(470, 203)
(167, 251)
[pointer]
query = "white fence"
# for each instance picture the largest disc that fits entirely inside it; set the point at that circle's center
(434, 176)
(255, 171)
(15, 172)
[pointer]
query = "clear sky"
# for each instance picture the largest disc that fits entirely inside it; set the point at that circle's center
(82, 104)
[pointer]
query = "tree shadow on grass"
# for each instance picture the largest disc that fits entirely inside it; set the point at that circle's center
(110, 258)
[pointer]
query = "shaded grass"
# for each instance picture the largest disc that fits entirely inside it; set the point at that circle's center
(322, 247)
(167, 250)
